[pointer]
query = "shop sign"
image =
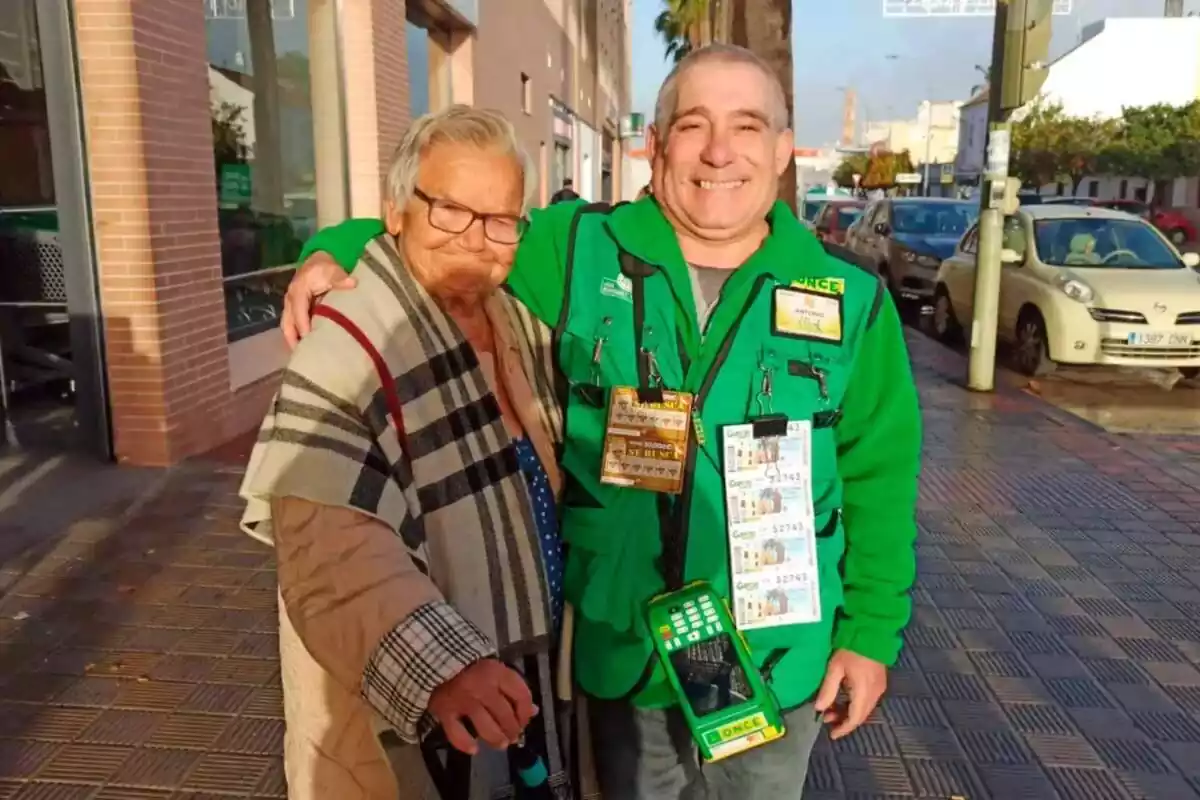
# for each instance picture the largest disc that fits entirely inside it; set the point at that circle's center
(633, 126)
(236, 188)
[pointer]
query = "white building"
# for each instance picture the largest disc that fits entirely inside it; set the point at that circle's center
(1118, 63)
(932, 135)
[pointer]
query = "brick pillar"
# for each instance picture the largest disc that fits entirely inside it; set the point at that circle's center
(144, 84)
(377, 102)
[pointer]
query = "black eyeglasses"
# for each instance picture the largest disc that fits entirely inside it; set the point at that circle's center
(453, 218)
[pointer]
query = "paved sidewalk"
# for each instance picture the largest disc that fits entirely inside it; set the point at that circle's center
(1053, 652)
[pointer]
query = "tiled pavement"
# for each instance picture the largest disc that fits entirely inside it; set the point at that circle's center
(1053, 653)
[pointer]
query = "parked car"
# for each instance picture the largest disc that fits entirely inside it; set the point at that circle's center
(906, 239)
(1178, 228)
(1081, 285)
(836, 217)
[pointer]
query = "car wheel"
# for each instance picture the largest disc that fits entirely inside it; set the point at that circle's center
(945, 324)
(1190, 373)
(1031, 353)
(1178, 236)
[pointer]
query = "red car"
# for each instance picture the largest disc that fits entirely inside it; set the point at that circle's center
(1176, 227)
(835, 217)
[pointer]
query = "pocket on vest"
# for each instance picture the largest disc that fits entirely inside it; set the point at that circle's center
(612, 560)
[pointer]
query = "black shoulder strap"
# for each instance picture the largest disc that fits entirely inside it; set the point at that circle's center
(569, 266)
(843, 253)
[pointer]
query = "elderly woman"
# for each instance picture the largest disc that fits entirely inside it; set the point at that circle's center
(406, 477)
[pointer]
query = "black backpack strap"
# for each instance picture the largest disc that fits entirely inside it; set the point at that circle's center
(569, 259)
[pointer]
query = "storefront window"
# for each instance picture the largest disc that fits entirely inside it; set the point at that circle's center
(262, 128)
(418, 69)
(26, 176)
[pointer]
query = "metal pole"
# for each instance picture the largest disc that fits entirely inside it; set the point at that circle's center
(981, 365)
(928, 147)
(1173, 8)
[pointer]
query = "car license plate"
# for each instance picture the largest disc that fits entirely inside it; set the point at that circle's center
(1159, 339)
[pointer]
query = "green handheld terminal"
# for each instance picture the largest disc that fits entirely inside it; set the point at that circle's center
(725, 700)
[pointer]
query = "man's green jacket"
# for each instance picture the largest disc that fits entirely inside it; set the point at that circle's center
(617, 274)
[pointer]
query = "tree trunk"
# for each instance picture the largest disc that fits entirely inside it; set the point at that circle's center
(722, 16)
(765, 26)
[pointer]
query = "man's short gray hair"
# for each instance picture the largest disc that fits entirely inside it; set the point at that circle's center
(457, 124)
(668, 95)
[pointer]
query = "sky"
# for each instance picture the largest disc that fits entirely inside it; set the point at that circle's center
(841, 43)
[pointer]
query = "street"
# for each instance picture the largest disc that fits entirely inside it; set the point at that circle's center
(1117, 399)
(1052, 653)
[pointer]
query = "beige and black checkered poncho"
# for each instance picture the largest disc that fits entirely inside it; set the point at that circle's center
(457, 498)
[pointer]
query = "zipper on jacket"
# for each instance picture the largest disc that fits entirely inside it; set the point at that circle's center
(676, 556)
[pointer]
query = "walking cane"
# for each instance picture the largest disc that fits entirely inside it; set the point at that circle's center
(452, 779)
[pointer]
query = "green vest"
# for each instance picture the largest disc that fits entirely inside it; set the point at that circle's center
(616, 560)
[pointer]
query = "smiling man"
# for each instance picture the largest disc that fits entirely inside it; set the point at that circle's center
(707, 312)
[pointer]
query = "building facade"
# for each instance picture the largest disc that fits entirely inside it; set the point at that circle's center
(1105, 72)
(162, 163)
(930, 137)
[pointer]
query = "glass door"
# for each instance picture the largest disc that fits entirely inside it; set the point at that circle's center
(51, 372)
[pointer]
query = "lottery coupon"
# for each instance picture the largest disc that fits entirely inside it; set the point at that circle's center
(772, 536)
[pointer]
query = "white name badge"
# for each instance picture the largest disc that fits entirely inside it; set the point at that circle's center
(772, 527)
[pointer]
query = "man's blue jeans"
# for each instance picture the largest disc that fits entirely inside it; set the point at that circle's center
(643, 754)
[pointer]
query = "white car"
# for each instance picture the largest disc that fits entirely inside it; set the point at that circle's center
(1081, 285)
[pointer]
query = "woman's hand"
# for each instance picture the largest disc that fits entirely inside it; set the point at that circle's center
(319, 275)
(493, 697)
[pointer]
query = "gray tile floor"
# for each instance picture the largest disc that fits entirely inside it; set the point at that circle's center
(1053, 651)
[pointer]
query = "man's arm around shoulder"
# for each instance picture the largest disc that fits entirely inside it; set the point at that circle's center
(879, 454)
(344, 242)
(538, 277)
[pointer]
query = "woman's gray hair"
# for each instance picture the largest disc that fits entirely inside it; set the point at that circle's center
(458, 124)
(668, 95)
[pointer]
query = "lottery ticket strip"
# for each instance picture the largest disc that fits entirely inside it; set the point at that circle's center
(1054, 650)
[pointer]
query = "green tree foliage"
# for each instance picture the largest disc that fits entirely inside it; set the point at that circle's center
(851, 165)
(683, 25)
(883, 166)
(229, 134)
(1050, 145)
(1158, 142)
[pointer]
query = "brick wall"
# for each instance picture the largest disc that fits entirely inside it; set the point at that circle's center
(377, 102)
(144, 84)
(524, 36)
(145, 97)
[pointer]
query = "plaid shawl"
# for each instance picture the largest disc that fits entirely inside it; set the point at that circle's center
(458, 499)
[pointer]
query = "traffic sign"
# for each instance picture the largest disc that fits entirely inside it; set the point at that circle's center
(953, 8)
(908, 177)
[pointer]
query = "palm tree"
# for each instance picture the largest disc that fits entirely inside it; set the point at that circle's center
(685, 25)
(765, 27)
(673, 34)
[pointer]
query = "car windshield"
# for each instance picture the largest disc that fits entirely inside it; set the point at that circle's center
(933, 219)
(811, 209)
(847, 216)
(1096, 242)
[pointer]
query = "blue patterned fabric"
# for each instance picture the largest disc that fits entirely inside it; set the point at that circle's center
(545, 515)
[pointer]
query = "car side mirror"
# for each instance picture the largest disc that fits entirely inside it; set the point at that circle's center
(1010, 257)
(882, 228)
(1192, 260)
